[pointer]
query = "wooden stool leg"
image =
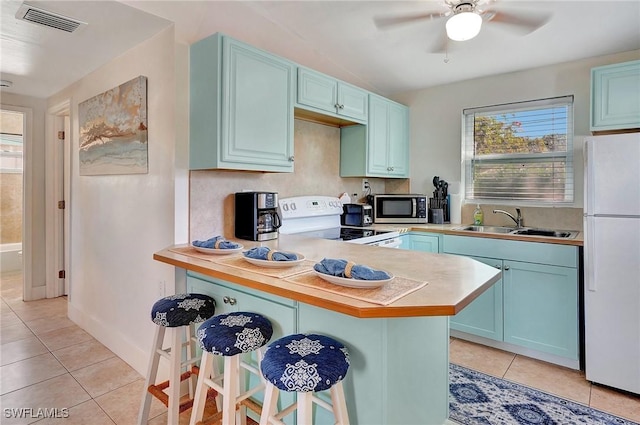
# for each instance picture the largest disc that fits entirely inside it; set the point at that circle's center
(174, 376)
(231, 366)
(339, 404)
(200, 397)
(269, 404)
(152, 371)
(305, 408)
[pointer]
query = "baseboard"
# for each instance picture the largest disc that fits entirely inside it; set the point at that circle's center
(550, 358)
(115, 341)
(111, 338)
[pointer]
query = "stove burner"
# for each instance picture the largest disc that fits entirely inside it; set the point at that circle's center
(348, 233)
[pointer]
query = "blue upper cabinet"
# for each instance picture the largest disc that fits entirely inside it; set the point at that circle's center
(615, 97)
(241, 107)
(380, 149)
(321, 93)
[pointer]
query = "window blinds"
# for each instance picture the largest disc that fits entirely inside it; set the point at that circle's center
(520, 151)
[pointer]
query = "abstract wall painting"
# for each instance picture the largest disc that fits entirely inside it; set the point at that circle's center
(113, 131)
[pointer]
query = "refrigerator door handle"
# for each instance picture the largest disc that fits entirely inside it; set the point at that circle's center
(589, 172)
(589, 254)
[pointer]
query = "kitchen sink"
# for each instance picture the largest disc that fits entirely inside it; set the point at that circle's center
(523, 231)
(545, 232)
(487, 229)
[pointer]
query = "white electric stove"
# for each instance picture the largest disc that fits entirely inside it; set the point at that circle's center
(319, 216)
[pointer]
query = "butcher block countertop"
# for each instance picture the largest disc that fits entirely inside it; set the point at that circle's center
(452, 281)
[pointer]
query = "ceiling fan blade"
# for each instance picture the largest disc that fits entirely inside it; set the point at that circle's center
(383, 22)
(526, 21)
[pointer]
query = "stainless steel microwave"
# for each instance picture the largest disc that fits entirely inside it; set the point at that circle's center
(409, 208)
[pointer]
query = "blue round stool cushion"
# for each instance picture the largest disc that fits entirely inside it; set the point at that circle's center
(234, 333)
(182, 310)
(305, 363)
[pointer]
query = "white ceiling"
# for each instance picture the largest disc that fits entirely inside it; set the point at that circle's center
(339, 38)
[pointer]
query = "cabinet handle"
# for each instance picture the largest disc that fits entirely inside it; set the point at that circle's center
(341, 106)
(291, 158)
(497, 266)
(229, 300)
(391, 168)
(507, 267)
(337, 106)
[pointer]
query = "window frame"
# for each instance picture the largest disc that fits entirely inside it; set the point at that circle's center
(468, 157)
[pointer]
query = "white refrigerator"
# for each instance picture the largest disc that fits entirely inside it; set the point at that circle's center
(612, 260)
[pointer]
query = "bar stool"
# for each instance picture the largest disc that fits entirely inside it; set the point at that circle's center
(229, 335)
(178, 313)
(304, 364)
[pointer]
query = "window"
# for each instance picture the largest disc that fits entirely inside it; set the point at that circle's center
(520, 152)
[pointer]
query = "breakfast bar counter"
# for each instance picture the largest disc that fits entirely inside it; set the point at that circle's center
(398, 346)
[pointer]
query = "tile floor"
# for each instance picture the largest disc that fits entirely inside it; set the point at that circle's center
(47, 361)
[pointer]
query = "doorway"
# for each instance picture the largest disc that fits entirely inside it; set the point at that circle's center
(11, 190)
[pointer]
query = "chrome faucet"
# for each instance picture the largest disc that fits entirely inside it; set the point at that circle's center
(517, 220)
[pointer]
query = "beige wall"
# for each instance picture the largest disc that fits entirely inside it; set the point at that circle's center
(10, 208)
(317, 172)
(119, 221)
(436, 117)
(11, 185)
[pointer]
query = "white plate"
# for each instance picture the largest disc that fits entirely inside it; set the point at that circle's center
(276, 264)
(353, 283)
(217, 251)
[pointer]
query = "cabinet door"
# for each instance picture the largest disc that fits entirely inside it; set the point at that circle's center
(398, 144)
(352, 101)
(378, 136)
(541, 307)
(257, 112)
(615, 96)
(424, 243)
(317, 90)
(484, 316)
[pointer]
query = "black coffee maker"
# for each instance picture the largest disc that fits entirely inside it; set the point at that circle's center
(257, 217)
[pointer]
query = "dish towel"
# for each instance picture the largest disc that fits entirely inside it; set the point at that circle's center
(216, 242)
(264, 253)
(349, 269)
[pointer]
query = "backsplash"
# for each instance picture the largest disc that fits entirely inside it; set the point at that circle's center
(317, 172)
(553, 218)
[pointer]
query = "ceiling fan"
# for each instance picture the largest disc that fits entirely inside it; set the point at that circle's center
(465, 18)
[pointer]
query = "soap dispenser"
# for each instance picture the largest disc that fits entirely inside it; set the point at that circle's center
(478, 216)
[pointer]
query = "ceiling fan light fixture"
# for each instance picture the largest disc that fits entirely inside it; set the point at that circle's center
(463, 26)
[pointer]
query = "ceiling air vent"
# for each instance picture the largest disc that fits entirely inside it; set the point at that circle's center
(48, 19)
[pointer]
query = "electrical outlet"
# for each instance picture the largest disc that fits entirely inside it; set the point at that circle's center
(365, 185)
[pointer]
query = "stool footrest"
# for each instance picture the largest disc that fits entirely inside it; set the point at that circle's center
(252, 404)
(158, 390)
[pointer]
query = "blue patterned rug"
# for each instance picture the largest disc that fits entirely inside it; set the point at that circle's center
(479, 399)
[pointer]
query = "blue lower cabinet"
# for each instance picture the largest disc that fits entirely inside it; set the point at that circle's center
(483, 316)
(533, 306)
(398, 371)
(416, 241)
(541, 307)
